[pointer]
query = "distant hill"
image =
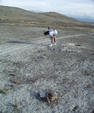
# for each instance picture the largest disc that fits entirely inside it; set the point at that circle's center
(15, 15)
(85, 19)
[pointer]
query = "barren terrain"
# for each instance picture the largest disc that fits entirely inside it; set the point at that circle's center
(28, 65)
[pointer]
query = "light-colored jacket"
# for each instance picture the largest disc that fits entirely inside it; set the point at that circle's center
(52, 32)
(55, 32)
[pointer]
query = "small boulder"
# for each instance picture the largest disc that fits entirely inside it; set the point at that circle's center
(48, 96)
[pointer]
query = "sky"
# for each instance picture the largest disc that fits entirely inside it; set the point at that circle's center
(74, 8)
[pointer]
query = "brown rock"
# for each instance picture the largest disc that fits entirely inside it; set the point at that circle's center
(48, 96)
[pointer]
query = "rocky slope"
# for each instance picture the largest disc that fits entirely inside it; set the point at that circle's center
(28, 66)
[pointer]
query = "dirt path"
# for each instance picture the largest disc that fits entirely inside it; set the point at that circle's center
(18, 47)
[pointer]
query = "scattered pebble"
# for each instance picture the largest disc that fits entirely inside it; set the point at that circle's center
(4, 91)
(16, 82)
(12, 74)
(75, 108)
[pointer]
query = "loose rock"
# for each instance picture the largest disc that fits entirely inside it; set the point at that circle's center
(48, 96)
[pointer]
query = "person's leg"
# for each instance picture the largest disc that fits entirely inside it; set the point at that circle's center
(54, 40)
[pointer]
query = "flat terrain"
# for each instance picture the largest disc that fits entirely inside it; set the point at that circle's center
(67, 68)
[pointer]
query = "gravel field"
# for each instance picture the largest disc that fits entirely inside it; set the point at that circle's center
(28, 66)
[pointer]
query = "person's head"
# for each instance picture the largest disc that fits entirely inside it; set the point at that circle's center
(48, 28)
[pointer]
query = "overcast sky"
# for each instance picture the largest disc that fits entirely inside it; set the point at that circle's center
(68, 7)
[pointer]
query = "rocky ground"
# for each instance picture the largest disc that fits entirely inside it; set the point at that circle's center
(28, 66)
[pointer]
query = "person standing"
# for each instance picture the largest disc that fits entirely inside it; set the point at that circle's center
(52, 33)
